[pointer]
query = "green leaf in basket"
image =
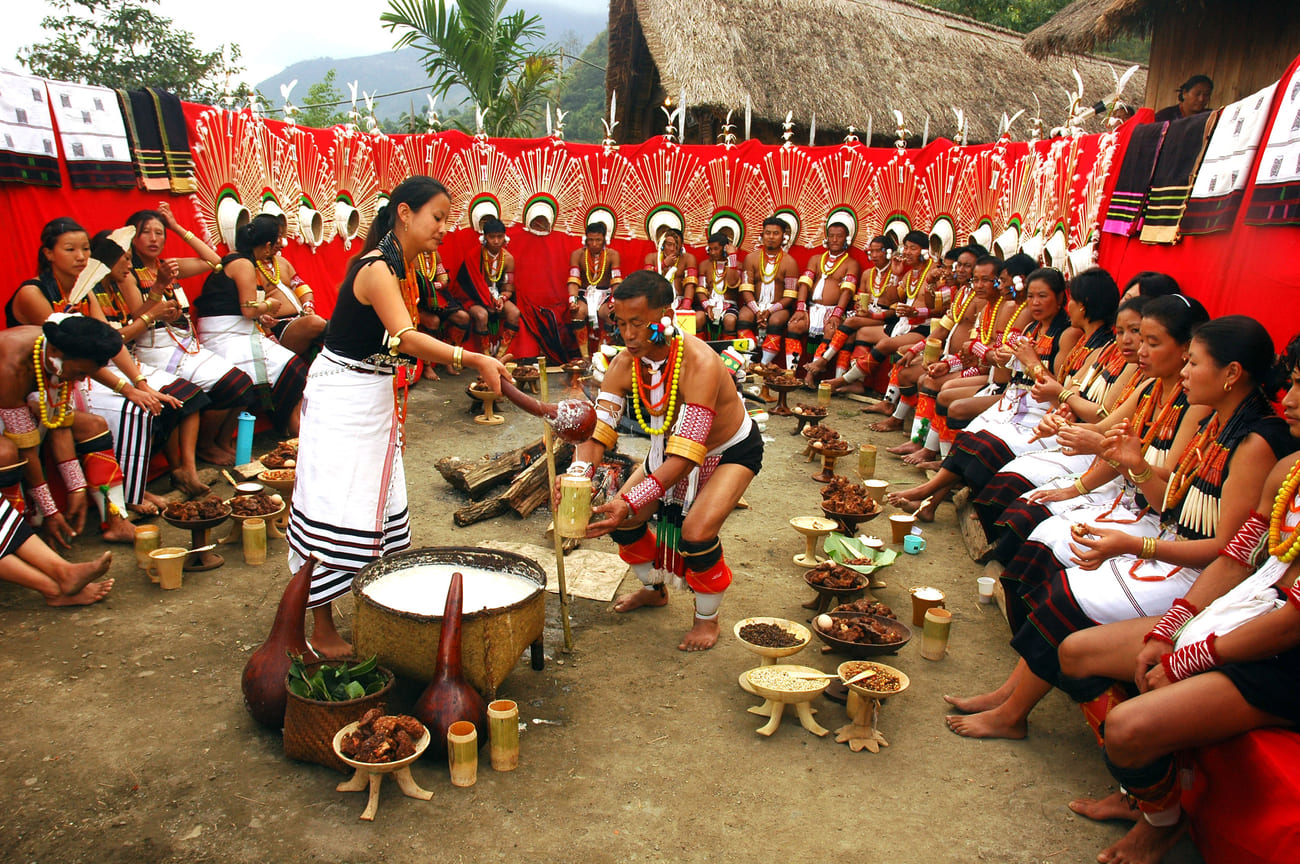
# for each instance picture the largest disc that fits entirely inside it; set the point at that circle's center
(364, 667)
(355, 690)
(299, 688)
(375, 686)
(842, 549)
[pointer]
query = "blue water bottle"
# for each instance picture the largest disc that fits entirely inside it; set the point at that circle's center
(244, 439)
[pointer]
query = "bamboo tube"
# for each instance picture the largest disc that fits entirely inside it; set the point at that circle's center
(503, 734)
(462, 753)
(574, 512)
(548, 441)
(254, 541)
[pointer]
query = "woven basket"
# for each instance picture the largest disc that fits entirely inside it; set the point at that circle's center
(310, 725)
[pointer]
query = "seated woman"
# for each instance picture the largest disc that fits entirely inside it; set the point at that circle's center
(440, 315)
(1142, 570)
(175, 430)
(298, 327)
(226, 316)
(119, 393)
(1035, 529)
(671, 261)
(171, 343)
(1026, 358)
(1151, 652)
(1104, 396)
(42, 367)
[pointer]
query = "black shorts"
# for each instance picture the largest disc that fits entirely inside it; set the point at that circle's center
(747, 452)
(1272, 685)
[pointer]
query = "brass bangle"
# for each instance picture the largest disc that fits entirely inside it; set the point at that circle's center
(156, 298)
(137, 379)
(1064, 396)
(395, 341)
(119, 386)
(1079, 485)
(146, 319)
(458, 357)
(1038, 369)
(1148, 548)
(1140, 477)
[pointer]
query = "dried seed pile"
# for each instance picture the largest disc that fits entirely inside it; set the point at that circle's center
(769, 636)
(776, 678)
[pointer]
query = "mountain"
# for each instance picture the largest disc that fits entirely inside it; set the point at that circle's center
(393, 71)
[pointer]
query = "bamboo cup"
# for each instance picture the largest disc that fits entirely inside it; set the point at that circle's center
(254, 541)
(503, 733)
(462, 753)
(867, 461)
(934, 636)
(168, 563)
(933, 350)
(574, 512)
(146, 540)
(824, 394)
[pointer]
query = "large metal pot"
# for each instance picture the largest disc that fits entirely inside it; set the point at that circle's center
(493, 639)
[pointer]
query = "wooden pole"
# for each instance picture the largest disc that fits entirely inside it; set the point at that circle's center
(548, 437)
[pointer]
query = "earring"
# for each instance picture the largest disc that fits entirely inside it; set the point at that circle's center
(1227, 387)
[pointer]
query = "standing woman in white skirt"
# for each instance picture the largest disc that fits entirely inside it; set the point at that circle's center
(349, 501)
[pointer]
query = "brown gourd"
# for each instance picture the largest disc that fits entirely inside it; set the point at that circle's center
(572, 419)
(449, 697)
(266, 695)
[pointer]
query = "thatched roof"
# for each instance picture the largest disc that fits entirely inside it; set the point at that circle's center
(1079, 27)
(842, 59)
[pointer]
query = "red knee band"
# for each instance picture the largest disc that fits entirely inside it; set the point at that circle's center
(102, 469)
(772, 342)
(640, 552)
(715, 580)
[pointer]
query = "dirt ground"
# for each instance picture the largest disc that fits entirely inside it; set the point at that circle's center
(125, 737)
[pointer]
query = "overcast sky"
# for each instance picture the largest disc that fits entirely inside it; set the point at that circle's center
(272, 35)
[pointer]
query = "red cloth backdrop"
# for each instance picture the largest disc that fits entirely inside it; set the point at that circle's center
(1249, 269)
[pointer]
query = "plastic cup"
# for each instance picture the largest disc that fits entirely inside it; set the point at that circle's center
(876, 489)
(986, 584)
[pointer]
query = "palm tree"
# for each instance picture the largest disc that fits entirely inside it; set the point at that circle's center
(473, 44)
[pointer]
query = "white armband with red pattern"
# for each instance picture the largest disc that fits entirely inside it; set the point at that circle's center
(74, 480)
(1166, 629)
(44, 499)
(575, 275)
(1294, 594)
(646, 492)
(954, 363)
(979, 349)
(691, 433)
(1191, 659)
(1241, 548)
(510, 277)
(752, 306)
(849, 280)
(971, 372)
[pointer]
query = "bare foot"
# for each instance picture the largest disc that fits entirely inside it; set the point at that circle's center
(641, 597)
(429, 373)
(889, 424)
(982, 702)
(881, 407)
(933, 465)
(72, 578)
(189, 483)
(920, 457)
(1144, 844)
(906, 498)
(92, 593)
(455, 373)
(904, 448)
(146, 509)
(215, 455)
(118, 530)
(855, 387)
(1113, 806)
(986, 724)
(330, 646)
(701, 637)
(907, 505)
(156, 500)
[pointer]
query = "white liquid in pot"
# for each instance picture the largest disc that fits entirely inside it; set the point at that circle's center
(422, 589)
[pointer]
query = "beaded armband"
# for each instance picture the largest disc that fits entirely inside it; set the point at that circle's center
(692, 431)
(1243, 545)
(73, 478)
(575, 276)
(1191, 659)
(581, 469)
(752, 306)
(691, 277)
(44, 500)
(1294, 594)
(1171, 622)
(971, 372)
(646, 492)
(615, 277)
(791, 287)
(921, 312)
(979, 349)
(954, 363)
(849, 282)
(20, 427)
(800, 306)
(806, 278)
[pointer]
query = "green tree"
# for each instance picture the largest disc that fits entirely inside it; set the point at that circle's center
(476, 45)
(1026, 15)
(583, 96)
(323, 105)
(125, 44)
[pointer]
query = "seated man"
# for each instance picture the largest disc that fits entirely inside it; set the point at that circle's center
(704, 451)
(718, 295)
(671, 261)
(769, 288)
(25, 559)
(593, 273)
(825, 292)
(489, 282)
(436, 308)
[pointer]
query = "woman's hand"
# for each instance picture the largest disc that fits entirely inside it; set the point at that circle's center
(145, 399)
(1078, 440)
(168, 311)
(617, 509)
(1050, 425)
(1094, 546)
(1046, 389)
(168, 270)
(490, 369)
(57, 529)
(169, 218)
(1148, 661)
(1122, 447)
(1047, 496)
(938, 369)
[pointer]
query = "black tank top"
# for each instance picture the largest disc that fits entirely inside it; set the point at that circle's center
(220, 295)
(355, 330)
(50, 290)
